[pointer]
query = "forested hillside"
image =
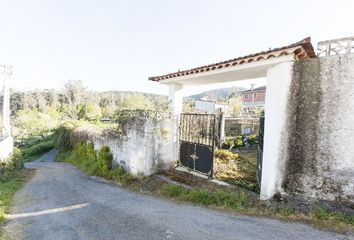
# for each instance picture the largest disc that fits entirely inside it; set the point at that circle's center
(36, 112)
(219, 95)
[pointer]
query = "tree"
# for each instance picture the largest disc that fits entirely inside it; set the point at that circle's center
(33, 123)
(137, 101)
(93, 112)
(75, 92)
(236, 103)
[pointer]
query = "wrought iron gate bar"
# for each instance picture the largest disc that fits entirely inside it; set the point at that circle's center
(197, 128)
(197, 141)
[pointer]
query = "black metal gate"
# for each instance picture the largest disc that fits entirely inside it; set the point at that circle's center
(197, 141)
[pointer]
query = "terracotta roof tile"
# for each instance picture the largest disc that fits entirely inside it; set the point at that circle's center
(302, 50)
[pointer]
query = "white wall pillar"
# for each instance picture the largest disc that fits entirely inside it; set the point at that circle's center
(278, 88)
(175, 99)
(6, 105)
(222, 126)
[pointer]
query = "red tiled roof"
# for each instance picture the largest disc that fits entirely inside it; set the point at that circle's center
(302, 50)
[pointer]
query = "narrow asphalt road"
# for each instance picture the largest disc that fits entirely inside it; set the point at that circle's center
(60, 202)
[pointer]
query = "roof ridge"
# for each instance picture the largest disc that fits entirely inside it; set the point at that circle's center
(304, 49)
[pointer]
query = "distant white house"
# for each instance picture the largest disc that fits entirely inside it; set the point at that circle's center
(212, 106)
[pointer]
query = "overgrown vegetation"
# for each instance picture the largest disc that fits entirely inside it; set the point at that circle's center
(34, 150)
(84, 156)
(37, 113)
(237, 169)
(238, 141)
(218, 198)
(12, 177)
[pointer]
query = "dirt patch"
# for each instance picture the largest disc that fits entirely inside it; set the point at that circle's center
(29, 173)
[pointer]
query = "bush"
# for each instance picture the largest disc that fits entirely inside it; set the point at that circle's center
(8, 167)
(84, 156)
(104, 160)
(34, 151)
(233, 142)
(65, 138)
(252, 139)
(225, 155)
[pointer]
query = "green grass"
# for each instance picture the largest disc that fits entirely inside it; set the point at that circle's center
(7, 189)
(32, 152)
(239, 203)
(85, 157)
(322, 214)
(218, 198)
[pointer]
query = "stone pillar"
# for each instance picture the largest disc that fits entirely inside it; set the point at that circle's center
(278, 86)
(175, 99)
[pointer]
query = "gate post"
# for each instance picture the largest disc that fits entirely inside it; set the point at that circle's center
(175, 104)
(278, 88)
(222, 126)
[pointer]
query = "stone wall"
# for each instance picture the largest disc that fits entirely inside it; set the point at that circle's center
(143, 149)
(319, 149)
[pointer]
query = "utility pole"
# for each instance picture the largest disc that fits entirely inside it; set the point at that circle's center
(6, 72)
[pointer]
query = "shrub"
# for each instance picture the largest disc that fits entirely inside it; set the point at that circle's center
(225, 155)
(13, 163)
(233, 142)
(65, 138)
(34, 151)
(104, 160)
(252, 139)
(85, 157)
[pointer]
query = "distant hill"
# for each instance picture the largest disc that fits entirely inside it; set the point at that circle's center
(220, 95)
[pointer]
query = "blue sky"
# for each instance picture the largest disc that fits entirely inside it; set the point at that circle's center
(117, 45)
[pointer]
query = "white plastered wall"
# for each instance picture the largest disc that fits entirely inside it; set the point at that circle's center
(278, 86)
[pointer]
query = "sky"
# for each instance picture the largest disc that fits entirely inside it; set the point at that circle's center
(118, 44)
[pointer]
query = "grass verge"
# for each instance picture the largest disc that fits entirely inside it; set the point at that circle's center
(8, 187)
(85, 158)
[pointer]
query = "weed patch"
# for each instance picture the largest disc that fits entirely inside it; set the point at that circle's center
(84, 156)
(237, 169)
(12, 178)
(218, 198)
